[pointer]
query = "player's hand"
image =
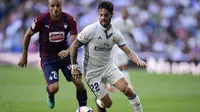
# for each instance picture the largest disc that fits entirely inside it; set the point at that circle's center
(75, 73)
(23, 61)
(141, 63)
(64, 53)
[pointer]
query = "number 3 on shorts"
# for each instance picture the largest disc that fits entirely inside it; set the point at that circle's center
(95, 87)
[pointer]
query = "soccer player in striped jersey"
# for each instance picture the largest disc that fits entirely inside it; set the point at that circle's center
(99, 68)
(53, 28)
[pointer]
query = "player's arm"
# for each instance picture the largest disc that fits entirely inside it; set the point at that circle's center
(132, 55)
(73, 34)
(64, 53)
(27, 38)
(74, 51)
(73, 56)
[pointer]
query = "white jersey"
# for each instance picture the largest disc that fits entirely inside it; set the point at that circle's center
(98, 44)
(124, 26)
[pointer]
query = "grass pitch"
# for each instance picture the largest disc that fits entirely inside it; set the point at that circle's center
(23, 90)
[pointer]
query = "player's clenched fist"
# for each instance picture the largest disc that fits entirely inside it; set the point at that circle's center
(23, 61)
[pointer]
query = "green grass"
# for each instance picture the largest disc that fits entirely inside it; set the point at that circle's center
(23, 90)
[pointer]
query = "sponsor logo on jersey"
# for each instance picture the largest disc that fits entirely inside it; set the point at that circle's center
(105, 48)
(106, 45)
(56, 36)
(97, 48)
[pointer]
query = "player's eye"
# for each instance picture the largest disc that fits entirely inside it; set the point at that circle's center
(106, 15)
(52, 6)
(58, 5)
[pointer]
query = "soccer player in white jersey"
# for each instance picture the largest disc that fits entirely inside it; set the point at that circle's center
(98, 66)
(124, 25)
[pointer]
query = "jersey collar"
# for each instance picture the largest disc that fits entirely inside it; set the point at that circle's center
(103, 28)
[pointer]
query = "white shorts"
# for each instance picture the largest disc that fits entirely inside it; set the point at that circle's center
(120, 58)
(111, 74)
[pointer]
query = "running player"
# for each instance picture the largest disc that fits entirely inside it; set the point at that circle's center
(99, 68)
(53, 28)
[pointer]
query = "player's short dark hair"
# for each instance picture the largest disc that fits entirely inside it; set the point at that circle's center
(108, 5)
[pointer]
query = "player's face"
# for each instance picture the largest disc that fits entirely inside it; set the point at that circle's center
(124, 13)
(104, 17)
(55, 7)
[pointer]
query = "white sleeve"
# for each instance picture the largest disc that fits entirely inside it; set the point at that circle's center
(85, 35)
(120, 39)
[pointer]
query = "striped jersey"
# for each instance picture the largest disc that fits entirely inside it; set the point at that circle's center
(53, 34)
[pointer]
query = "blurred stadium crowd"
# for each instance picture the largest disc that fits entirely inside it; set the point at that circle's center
(164, 28)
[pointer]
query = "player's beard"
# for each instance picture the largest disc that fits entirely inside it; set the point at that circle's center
(106, 25)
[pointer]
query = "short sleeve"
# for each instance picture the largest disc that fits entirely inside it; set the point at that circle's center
(85, 35)
(73, 26)
(36, 25)
(120, 39)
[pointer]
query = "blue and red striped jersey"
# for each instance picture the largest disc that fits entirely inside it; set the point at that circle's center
(53, 34)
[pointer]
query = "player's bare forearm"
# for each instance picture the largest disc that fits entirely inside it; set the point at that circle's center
(27, 38)
(131, 54)
(74, 51)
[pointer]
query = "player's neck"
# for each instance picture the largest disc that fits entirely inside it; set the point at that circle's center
(55, 18)
(108, 27)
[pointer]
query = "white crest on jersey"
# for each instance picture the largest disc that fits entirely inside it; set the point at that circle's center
(33, 23)
(65, 26)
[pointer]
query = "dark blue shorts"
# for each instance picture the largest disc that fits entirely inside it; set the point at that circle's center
(51, 69)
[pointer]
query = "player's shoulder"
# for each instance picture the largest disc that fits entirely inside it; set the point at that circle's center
(116, 31)
(91, 27)
(69, 16)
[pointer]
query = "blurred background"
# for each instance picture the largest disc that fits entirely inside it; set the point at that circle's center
(168, 32)
(165, 29)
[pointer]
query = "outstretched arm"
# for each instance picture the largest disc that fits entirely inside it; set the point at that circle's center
(132, 55)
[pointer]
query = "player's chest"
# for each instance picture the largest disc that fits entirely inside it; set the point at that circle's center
(55, 32)
(51, 27)
(103, 39)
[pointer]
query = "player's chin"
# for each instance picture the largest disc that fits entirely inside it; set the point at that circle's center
(104, 24)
